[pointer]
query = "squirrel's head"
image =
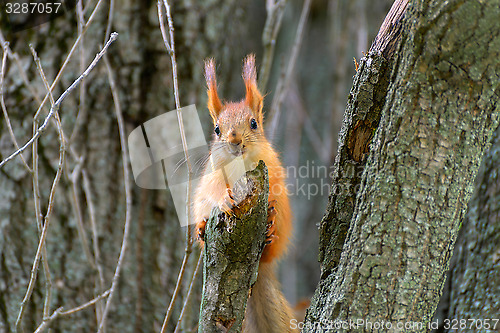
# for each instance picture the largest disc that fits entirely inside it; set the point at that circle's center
(238, 127)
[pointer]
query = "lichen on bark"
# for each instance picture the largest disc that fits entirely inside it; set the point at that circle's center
(233, 245)
(441, 108)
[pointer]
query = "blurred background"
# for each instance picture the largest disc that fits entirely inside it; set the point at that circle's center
(87, 222)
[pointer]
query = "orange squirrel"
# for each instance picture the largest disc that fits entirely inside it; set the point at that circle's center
(239, 132)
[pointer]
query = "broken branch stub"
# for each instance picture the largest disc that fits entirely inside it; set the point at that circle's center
(233, 247)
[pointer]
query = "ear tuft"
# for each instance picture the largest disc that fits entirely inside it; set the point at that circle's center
(253, 97)
(214, 104)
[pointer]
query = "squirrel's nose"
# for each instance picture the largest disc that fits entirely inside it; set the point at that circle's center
(234, 138)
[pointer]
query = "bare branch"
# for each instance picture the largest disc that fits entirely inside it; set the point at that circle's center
(86, 305)
(53, 111)
(60, 313)
(46, 268)
(14, 56)
(188, 295)
(275, 12)
(75, 198)
(41, 245)
(55, 107)
(171, 49)
(68, 57)
(4, 108)
(81, 111)
(95, 240)
(110, 19)
(170, 45)
(162, 28)
(284, 82)
(47, 321)
(232, 251)
(128, 193)
(176, 292)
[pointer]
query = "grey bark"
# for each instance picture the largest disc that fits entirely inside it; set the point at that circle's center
(440, 110)
(473, 285)
(362, 116)
(233, 246)
(143, 75)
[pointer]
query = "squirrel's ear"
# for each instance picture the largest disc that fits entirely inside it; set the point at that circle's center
(214, 104)
(253, 97)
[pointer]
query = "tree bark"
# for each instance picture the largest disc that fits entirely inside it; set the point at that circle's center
(143, 75)
(474, 279)
(233, 246)
(365, 103)
(439, 112)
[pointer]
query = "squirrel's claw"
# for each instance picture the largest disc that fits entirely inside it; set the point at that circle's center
(201, 229)
(271, 227)
(227, 203)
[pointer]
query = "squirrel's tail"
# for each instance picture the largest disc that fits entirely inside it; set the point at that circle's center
(267, 309)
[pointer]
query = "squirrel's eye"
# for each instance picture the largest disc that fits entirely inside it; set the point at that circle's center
(253, 124)
(217, 130)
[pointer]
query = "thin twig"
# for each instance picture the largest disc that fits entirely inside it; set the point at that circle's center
(86, 305)
(56, 80)
(68, 57)
(284, 82)
(55, 107)
(62, 153)
(178, 108)
(274, 18)
(307, 123)
(4, 108)
(110, 19)
(43, 237)
(175, 293)
(36, 185)
(60, 313)
(53, 110)
(170, 46)
(162, 29)
(14, 56)
(139, 255)
(75, 198)
(171, 49)
(81, 111)
(95, 236)
(95, 241)
(74, 175)
(128, 193)
(188, 295)
(36, 191)
(48, 320)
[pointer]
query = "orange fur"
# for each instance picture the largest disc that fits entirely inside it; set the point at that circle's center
(237, 138)
(234, 120)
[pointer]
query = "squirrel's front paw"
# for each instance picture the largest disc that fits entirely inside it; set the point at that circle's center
(200, 229)
(271, 228)
(227, 203)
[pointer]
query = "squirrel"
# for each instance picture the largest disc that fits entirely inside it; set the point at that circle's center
(238, 132)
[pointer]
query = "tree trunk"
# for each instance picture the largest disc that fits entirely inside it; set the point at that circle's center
(143, 75)
(473, 285)
(438, 113)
